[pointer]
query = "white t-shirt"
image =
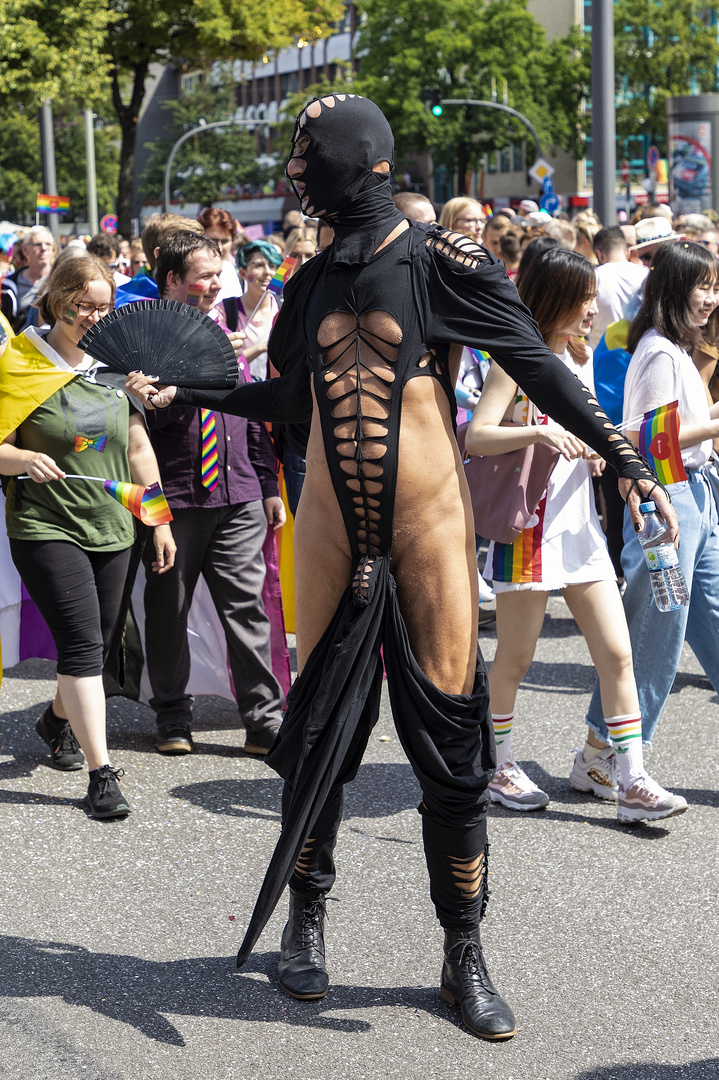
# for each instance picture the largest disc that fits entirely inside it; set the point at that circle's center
(617, 284)
(660, 372)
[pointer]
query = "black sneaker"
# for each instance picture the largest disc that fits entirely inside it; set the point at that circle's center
(104, 798)
(66, 753)
(259, 742)
(174, 738)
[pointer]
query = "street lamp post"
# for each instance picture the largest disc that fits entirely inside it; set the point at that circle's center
(196, 131)
(502, 108)
(604, 127)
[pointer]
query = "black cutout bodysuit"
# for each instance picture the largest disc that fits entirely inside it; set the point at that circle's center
(361, 332)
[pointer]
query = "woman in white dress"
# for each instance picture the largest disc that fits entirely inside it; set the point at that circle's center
(562, 548)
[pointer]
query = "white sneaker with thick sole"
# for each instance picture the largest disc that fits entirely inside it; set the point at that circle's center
(646, 800)
(512, 788)
(598, 775)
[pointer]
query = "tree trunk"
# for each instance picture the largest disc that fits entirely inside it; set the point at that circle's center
(128, 117)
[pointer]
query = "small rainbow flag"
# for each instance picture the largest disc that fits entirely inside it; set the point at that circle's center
(283, 271)
(146, 503)
(659, 443)
(521, 562)
(53, 204)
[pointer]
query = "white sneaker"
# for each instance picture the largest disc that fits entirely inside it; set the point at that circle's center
(598, 775)
(512, 788)
(646, 800)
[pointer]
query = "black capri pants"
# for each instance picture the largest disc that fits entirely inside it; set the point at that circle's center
(78, 593)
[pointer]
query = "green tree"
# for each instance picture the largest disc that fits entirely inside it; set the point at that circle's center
(69, 50)
(212, 160)
(467, 49)
(21, 163)
(661, 50)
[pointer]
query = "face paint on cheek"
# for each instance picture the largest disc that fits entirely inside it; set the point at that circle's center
(194, 295)
(69, 316)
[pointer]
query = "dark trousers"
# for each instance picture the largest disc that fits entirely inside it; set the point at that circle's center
(225, 546)
(450, 747)
(79, 595)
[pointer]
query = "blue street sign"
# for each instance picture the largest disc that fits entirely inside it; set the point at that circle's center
(550, 203)
(548, 186)
(652, 157)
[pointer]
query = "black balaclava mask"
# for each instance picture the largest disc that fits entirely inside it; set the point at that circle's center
(344, 143)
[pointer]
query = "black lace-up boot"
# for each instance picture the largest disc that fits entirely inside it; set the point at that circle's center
(466, 982)
(301, 971)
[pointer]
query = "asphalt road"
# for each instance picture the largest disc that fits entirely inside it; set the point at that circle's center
(118, 939)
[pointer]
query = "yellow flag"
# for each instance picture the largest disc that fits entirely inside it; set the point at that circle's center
(27, 379)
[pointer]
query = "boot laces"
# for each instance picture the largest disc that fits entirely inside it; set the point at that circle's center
(310, 923)
(471, 961)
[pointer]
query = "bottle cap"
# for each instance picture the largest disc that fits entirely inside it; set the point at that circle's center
(647, 507)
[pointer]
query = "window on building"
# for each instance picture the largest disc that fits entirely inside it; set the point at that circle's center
(289, 83)
(492, 161)
(518, 157)
(505, 159)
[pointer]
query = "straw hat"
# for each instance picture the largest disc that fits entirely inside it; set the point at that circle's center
(654, 230)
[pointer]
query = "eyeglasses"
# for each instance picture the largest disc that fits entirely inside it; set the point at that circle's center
(86, 310)
(471, 221)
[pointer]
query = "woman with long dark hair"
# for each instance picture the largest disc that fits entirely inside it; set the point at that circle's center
(681, 292)
(563, 548)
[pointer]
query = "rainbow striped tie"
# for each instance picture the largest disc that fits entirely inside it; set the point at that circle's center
(209, 471)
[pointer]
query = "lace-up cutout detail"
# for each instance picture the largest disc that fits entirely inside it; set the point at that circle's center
(468, 875)
(302, 866)
(457, 246)
(359, 356)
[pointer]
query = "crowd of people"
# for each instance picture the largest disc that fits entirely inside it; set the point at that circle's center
(398, 314)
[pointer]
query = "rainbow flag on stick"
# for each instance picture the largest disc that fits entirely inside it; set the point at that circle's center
(282, 273)
(52, 204)
(146, 503)
(659, 443)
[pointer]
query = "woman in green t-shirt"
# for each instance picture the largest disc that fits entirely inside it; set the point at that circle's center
(69, 541)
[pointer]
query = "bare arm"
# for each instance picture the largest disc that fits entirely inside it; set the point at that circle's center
(14, 461)
(144, 470)
(485, 436)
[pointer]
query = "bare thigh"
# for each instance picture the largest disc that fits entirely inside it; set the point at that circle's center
(436, 575)
(323, 569)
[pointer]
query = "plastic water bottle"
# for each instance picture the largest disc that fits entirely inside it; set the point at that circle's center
(668, 584)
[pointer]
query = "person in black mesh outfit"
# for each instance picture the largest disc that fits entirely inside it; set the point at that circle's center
(368, 344)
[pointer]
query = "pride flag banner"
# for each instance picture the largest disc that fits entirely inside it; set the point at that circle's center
(659, 443)
(52, 204)
(146, 503)
(282, 273)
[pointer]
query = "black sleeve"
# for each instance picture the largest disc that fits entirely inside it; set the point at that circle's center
(473, 303)
(280, 401)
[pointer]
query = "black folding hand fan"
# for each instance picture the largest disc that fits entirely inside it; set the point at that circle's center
(174, 341)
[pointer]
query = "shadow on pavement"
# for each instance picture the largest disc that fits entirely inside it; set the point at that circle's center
(144, 993)
(254, 798)
(708, 1069)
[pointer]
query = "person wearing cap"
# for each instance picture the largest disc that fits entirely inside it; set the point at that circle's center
(527, 206)
(651, 232)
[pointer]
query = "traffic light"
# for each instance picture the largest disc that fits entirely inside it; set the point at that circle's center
(437, 102)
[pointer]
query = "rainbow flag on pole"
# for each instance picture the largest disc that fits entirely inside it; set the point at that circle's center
(146, 503)
(659, 443)
(283, 271)
(52, 204)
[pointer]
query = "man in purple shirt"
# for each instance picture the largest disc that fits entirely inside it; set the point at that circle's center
(221, 514)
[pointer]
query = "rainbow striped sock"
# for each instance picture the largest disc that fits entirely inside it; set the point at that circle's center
(502, 725)
(625, 733)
